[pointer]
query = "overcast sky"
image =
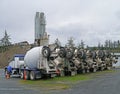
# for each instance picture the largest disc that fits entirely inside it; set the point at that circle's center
(92, 21)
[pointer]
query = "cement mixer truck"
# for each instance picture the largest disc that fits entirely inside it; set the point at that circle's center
(39, 62)
(64, 62)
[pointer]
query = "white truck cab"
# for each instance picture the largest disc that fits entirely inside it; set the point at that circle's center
(17, 63)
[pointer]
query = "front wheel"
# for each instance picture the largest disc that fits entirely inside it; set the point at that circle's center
(21, 75)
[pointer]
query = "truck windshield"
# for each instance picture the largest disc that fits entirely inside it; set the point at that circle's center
(21, 58)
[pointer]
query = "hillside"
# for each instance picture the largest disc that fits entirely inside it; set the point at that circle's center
(7, 54)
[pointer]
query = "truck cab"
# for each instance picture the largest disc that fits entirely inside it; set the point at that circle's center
(17, 64)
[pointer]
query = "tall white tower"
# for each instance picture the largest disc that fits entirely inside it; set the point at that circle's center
(41, 37)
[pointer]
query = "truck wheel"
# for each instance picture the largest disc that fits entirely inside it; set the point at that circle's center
(83, 71)
(87, 71)
(108, 68)
(73, 73)
(21, 75)
(27, 75)
(46, 52)
(102, 68)
(94, 70)
(62, 73)
(32, 75)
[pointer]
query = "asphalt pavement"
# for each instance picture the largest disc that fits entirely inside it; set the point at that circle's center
(105, 84)
(12, 86)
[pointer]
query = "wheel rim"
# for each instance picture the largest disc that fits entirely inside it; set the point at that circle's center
(88, 71)
(32, 75)
(21, 75)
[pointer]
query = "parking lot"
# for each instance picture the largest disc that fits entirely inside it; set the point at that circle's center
(12, 86)
(103, 84)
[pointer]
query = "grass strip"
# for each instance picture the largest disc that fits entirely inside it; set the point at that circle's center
(65, 82)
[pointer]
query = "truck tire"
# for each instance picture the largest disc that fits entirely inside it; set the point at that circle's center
(73, 73)
(87, 71)
(83, 71)
(94, 70)
(108, 68)
(32, 75)
(62, 73)
(102, 68)
(46, 52)
(21, 75)
(62, 52)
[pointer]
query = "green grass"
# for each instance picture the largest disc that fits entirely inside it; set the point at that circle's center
(66, 82)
